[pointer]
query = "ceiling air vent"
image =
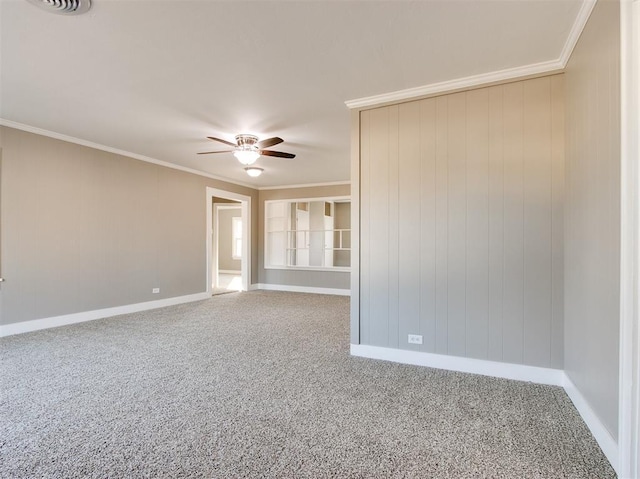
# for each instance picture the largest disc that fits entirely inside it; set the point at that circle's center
(63, 7)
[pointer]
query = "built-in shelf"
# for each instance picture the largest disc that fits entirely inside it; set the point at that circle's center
(308, 234)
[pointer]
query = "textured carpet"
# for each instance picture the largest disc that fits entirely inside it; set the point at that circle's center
(261, 384)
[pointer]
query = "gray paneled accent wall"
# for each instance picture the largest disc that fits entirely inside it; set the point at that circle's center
(592, 259)
(461, 223)
(84, 229)
(291, 277)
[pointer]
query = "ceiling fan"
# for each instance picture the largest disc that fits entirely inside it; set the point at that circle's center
(248, 149)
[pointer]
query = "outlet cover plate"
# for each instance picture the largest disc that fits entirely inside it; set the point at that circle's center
(155, 290)
(415, 339)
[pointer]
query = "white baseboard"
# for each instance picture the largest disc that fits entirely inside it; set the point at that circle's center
(603, 437)
(519, 372)
(55, 321)
(302, 289)
(229, 271)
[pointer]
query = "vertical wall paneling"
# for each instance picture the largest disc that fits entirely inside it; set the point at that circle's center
(477, 226)
(557, 221)
(428, 228)
(462, 223)
(379, 224)
(537, 221)
(457, 218)
(365, 230)
(496, 206)
(393, 227)
(513, 308)
(442, 225)
(355, 228)
(592, 214)
(409, 250)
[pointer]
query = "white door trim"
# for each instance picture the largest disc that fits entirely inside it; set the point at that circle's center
(629, 379)
(245, 205)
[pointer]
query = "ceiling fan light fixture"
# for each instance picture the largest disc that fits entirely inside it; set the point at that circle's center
(253, 171)
(246, 156)
(63, 7)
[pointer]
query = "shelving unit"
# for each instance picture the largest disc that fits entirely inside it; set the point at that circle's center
(300, 234)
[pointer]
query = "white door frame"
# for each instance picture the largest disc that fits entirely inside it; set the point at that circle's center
(629, 379)
(245, 205)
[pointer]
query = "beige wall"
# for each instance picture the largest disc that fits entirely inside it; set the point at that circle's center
(592, 262)
(462, 223)
(83, 229)
(318, 279)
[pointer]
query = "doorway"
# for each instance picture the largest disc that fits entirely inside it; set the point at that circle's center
(227, 246)
(218, 203)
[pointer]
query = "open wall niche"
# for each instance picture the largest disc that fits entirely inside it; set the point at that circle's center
(308, 234)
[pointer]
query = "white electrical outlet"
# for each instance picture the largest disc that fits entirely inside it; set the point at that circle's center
(415, 339)
(155, 290)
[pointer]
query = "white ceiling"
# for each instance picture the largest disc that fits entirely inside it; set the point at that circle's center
(155, 78)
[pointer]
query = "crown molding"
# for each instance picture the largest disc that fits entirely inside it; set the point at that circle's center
(307, 185)
(483, 79)
(116, 151)
(456, 84)
(576, 30)
(136, 156)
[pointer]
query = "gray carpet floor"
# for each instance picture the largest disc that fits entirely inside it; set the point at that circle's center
(261, 384)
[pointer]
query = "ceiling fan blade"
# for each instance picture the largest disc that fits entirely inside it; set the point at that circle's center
(279, 154)
(222, 141)
(269, 142)
(210, 152)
